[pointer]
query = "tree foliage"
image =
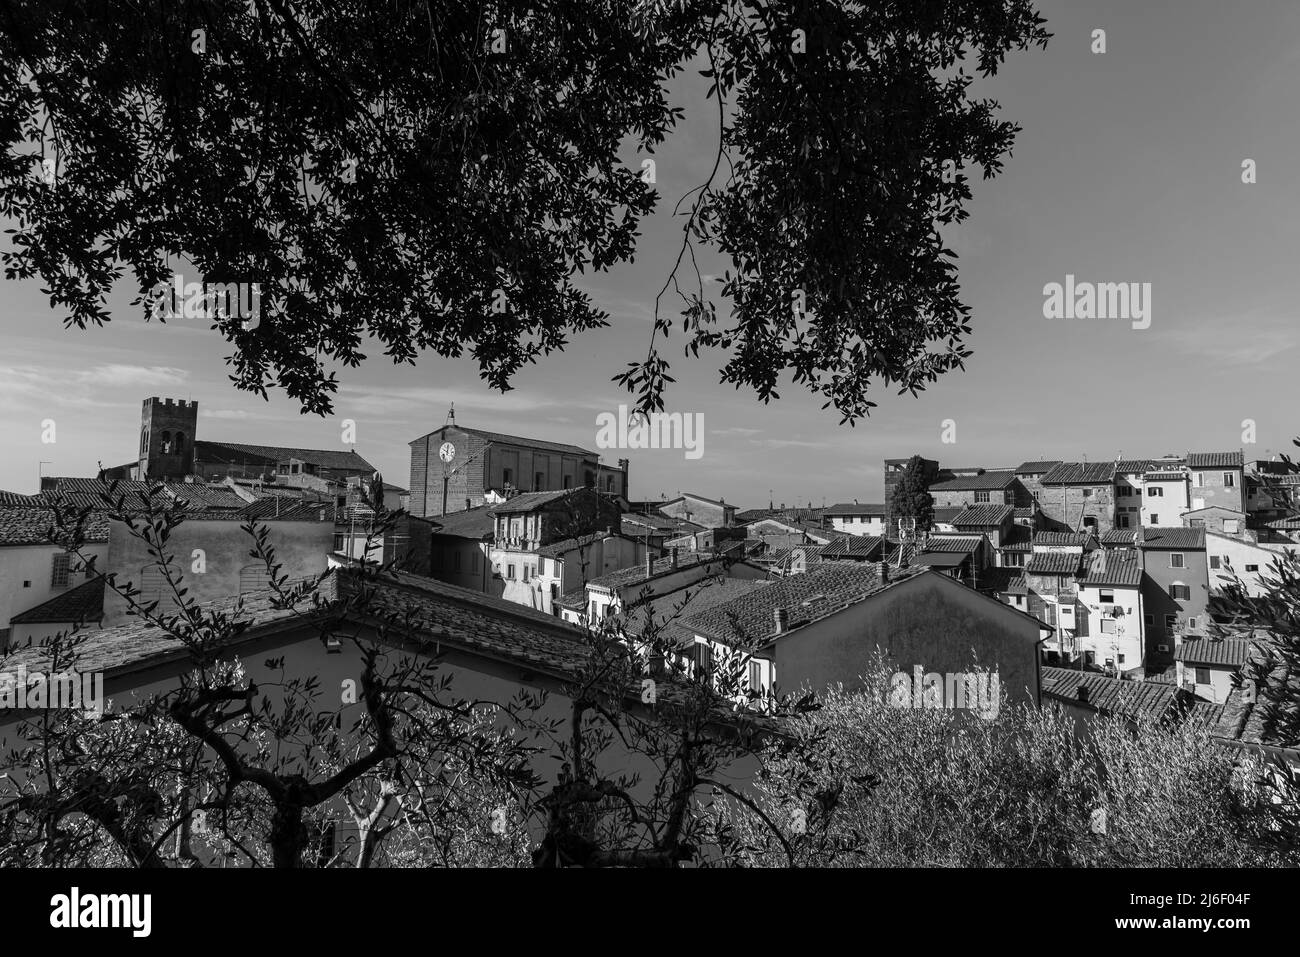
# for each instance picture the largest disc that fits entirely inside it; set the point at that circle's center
(910, 497)
(436, 176)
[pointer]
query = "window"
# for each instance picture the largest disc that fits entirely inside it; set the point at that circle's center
(539, 481)
(1202, 676)
(254, 578)
(180, 442)
(1121, 658)
(1231, 526)
(60, 571)
(1191, 624)
(1108, 626)
(1153, 491)
(1149, 620)
(981, 497)
(1229, 480)
(701, 656)
(1214, 561)
(1198, 479)
(1196, 523)
(1087, 493)
(1124, 491)
(510, 572)
(568, 481)
(609, 483)
(1090, 522)
(1123, 521)
(593, 611)
(523, 570)
(1171, 622)
(1106, 596)
(755, 676)
(1179, 592)
(166, 443)
(1155, 519)
(1014, 559)
(1175, 559)
(1252, 568)
(507, 476)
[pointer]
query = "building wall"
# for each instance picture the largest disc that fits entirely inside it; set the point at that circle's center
(1128, 500)
(1066, 506)
(1125, 638)
(1214, 490)
(35, 564)
(1243, 556)
(558, 576)
(1157, 603)
(1216, 688)
(927, 621)
(1213, 519)
(700, 512)
(302, 549)
(479, 465)
(1166, 505)
(859, 524)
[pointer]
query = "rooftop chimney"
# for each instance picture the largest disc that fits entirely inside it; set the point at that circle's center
(649, 563)
(782, 620)
(673, 552)
(884, 572)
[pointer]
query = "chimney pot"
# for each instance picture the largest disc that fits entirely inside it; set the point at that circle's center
(781, 619)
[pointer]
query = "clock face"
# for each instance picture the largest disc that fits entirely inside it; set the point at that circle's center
(447, 452)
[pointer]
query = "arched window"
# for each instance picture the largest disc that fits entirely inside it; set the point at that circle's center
(144, 437)
(180, 442)
(166, 443)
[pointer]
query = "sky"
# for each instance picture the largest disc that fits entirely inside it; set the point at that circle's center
(1128, 169)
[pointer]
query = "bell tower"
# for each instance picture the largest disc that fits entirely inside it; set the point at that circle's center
(167, 428)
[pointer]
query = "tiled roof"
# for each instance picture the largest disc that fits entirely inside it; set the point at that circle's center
(853, 508)
(1017, 586)
(654, 521)
(983, 515)
(1133, 699)
(944, 516)
(475, 523)
(1119, 536)
(1290, 522)
(989, 481)
(1271, 718)
(1113, 566)
(815, 594)
(1053, 563)
(1214, 460)
(996, 579)
(634, 575)
(1029, 512)
(781, 557)
(1132, 466)
(31, 526)
(1061, 538)
(856, 546)
(529, 501)
(961, 544)
(84, 603)
(670, 611)
(277, 509)
(940, 559)
(558, 549)
(1165, 477)
(1173, 537)
(698, 498)
(1080, 473)
(17, 498)
(1232, 652)
(505, 439)
(235, 452)
(1036, 468)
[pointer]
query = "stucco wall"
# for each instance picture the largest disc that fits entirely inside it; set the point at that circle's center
(929, 621)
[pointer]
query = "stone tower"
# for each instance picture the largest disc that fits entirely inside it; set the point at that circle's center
(167, 430)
